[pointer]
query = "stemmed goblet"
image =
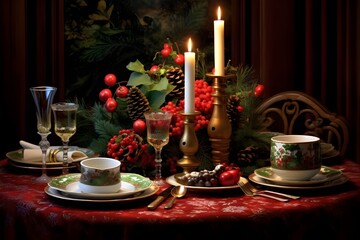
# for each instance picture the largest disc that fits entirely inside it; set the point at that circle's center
(65, 127)
(158, 124)
(43, 98)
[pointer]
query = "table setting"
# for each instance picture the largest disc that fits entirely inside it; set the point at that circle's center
(202, 166)
(30, 156)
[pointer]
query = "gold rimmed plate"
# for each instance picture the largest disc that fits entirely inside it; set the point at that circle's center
(173, 180)
(142, 195)
(17, 158)
(326, 174)
(131, 184)
(332, 183)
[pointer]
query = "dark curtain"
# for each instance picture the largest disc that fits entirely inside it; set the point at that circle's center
(310, 46)
(31, 55)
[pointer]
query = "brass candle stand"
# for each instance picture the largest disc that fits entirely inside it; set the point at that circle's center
(219, 127)
(189, 144)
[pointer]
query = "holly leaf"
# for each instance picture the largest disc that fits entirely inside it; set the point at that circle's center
(161, 85)
(156, 99)
(98, 17)
(136, 66)
(137, 79)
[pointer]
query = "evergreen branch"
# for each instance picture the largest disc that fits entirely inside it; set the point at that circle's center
(105, 129)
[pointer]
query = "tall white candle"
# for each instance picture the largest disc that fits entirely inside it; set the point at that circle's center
(189, 97)
(219, 54)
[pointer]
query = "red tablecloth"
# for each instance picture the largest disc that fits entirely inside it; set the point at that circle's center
(27, 212)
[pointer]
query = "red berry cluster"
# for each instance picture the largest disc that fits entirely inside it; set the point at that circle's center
(147, 160)
(203, 104)
(126, 146)
(167, 51)
(106, 95)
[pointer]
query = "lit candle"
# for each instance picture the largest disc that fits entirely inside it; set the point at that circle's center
(219, 56)
(189, 97)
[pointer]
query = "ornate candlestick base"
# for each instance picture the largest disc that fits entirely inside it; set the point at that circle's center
(189, 144)
(219, 128)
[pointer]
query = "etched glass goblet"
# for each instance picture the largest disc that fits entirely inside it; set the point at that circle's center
(158, 124)
(43, 97)
(65, 127)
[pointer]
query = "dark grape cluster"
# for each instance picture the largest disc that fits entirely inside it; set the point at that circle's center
(203, 178)
(127, 146)
(203, 104)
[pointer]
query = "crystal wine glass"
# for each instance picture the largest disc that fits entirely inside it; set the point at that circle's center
(43, 97)
(65, 127)
(158, 136)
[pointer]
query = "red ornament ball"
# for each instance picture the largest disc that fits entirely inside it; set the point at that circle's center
(165, 52)
(154, 68)
(122, 92)
(139, 126)
(111, 105)
(179, 59)
(105, 94)
(259, 89)
(110, 79)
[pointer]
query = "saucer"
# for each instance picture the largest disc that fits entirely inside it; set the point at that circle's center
(331, 183)
(326, 174)
(131, 184)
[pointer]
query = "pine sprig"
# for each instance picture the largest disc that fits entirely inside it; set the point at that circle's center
(200, 70)
(246, 132)
(98, 145)
(105, 128)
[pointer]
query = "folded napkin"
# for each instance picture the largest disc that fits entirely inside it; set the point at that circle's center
(33, 153)
(26, 145)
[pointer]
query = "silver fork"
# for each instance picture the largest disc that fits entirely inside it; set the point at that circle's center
(248, 192)
(255, 190)
(245, 185)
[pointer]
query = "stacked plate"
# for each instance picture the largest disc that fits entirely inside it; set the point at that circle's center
(133, 187)
(327, 177)
(328, 151)
(16, 159)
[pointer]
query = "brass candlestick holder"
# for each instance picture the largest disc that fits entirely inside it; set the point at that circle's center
(219, 128)
(189, 144)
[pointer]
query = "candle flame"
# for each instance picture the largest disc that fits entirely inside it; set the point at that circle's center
(219, 13)
(189, 45)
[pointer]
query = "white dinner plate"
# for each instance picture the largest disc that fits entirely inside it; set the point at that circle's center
(17, 157)
(172, 181)
(332, 183)
(131, 184)
(326, 174)
(145, 194)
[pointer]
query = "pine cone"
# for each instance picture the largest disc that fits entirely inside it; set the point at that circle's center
(231, 108)
(176, 77)
(247, 156)
(138, 104)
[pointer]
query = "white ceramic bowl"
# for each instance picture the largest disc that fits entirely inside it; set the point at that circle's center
(295, 157)
(100, 175)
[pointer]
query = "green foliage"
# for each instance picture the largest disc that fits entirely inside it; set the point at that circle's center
(113, 36)
(250, 122)
(103, 36)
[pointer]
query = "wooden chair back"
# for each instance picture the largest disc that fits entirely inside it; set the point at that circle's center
(294, 112)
